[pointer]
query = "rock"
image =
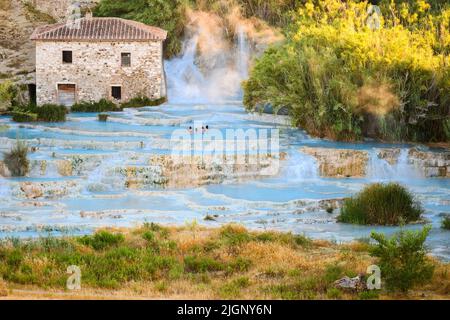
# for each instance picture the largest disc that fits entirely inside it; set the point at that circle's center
(339, 162)
(48, 189)
(198, 170)
(331, 204)
(433, 164)
(4, 171)
(64, 167)
(32, 191)
(356, 283)
(390, 155)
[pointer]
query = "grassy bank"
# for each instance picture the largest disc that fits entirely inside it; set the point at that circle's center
(194, 262)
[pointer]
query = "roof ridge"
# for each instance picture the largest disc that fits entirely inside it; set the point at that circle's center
(100, 28)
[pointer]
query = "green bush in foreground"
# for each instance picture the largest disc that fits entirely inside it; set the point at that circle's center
(381, 204)
(44, 113)
(446, 223)
(16, 160)
(139, 102)
(102, 105)
(402, 259)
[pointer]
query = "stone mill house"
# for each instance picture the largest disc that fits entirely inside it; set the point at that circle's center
(93, 58)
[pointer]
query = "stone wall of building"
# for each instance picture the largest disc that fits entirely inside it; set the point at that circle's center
(96, 67)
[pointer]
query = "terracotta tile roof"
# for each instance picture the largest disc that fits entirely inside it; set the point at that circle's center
(99, 29)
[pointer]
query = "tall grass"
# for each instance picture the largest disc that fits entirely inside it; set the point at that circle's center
(381, 204)
(102, 105)
(141, 101)
(44, 113)
(16, 160)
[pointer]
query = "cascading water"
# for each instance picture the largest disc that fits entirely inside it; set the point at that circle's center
(301, 167)
(244, 52)
(380, 169)
(214, 77)
(102, 178)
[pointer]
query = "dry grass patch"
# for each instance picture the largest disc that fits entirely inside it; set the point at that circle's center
(192, 262)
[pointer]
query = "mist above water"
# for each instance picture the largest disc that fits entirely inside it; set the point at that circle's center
(212, 64)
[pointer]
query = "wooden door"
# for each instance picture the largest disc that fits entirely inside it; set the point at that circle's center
(66, 94)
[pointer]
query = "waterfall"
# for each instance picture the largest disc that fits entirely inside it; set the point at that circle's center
(103, 177)
(380, 169)
(301, 167)
(213, 76)
(244, 53)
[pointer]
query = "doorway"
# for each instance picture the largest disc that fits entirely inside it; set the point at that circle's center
(66, 94)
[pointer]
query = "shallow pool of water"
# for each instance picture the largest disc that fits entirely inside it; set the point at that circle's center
(286, 201)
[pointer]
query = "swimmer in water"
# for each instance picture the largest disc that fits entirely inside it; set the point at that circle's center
(190, 130)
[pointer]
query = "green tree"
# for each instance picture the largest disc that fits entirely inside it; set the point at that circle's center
(166, 14)
(402, 259)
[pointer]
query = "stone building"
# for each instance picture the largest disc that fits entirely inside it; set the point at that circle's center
(93, 58)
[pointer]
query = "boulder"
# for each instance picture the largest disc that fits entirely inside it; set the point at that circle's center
(32, 191)
(356, 284)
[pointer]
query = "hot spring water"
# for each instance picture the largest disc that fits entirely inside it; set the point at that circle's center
(87, 189)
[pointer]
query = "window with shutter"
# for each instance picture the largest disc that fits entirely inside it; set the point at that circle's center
(126, 59)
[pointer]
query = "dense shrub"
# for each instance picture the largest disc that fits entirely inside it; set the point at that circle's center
(275, 12)
(402, 259)
(45, 113)
(202, 264)
(8, 92)
(381, 204)
(102, 240)
(102, 105)
(342, 80)
(166, 14)
(51, 113)
(446, 223)
(19, 116)
(16, 160)
(139, 102)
